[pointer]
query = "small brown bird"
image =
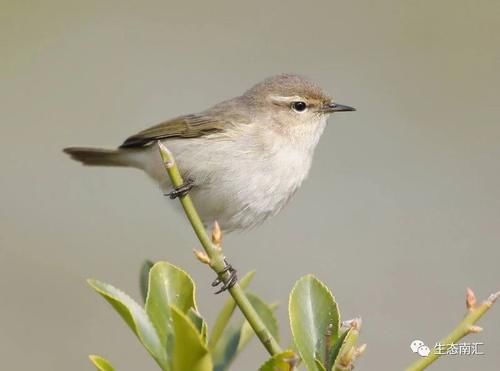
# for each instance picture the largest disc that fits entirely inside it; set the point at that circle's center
(244, 157)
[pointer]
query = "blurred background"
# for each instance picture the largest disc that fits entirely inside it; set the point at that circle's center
(400, 213)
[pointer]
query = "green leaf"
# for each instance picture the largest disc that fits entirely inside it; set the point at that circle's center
(334, 352)
(102, 364)
(135, 317)
(226, 313)
(312, 310)
(319, 365)
(227, 347)
(189, 351)
(168, 285)
(267, 316)
(235, 338)
(280, 362)
(199, 323)
(350, 340)
(144, 278)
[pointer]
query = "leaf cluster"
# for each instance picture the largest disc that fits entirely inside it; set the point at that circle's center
(172, 330)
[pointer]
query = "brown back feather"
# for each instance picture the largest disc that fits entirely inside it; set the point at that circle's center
(188, 126)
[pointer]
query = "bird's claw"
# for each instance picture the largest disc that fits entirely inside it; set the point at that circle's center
(230, 282)
(182, 190)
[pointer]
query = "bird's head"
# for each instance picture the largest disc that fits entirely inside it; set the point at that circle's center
(291, 100)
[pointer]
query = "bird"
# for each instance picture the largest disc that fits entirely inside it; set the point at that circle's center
(242, 159)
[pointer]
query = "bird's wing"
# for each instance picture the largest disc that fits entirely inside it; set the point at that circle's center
(189, 126)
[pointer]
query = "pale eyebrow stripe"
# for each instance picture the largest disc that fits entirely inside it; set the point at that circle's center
(285, 99)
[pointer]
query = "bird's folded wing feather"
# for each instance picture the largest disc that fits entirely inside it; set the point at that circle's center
(189, 126)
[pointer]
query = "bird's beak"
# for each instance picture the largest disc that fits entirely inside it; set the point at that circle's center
(335, 107)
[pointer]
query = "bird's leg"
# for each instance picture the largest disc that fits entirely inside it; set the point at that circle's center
(230, 282)
(182, 190)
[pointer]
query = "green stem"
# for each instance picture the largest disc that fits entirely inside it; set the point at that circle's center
(216, 259)
(465, 327)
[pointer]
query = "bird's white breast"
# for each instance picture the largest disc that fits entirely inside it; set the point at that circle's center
(241, 180)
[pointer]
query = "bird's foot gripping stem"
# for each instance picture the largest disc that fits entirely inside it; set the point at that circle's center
(180, 191)
(226, 284)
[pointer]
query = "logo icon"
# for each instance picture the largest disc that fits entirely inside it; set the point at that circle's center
(418, 346)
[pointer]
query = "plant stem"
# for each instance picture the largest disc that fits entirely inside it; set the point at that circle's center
(215, 258)
(465, 327)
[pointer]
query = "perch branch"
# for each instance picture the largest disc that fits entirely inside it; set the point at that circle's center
(465, 327)
(213, 255)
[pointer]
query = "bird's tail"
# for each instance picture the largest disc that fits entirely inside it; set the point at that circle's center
(99, 157)
(147, 159)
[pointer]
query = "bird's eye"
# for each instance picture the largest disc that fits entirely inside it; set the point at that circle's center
(299, 106)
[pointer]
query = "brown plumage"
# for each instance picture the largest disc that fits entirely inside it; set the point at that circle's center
(189, 126)
(245, 156)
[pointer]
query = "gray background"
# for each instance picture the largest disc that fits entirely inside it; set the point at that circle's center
(400, 213)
